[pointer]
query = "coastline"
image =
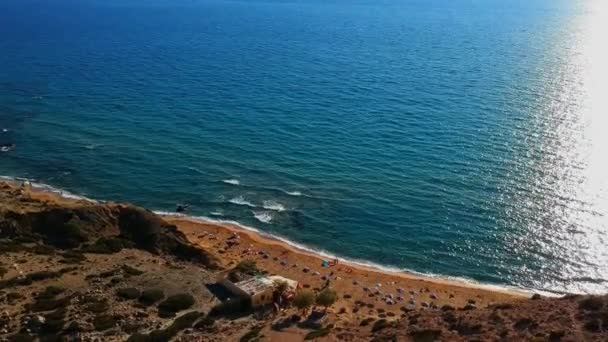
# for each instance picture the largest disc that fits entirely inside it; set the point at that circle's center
(194, 226)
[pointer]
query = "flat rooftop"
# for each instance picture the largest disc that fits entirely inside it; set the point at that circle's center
(259, 284)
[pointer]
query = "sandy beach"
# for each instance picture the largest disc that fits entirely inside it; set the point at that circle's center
(391, 291)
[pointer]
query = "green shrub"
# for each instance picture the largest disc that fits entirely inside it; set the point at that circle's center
(13, 296)
(66, 235)
(151, 296)
(57, 314)
(366, 321)
(304, 300)
(52, 326)
(232, 307)
(379, 325)
(205, 322)
(12, 247)
(107, 246)
(33, 277)
(245, 267)
(252, 334)
(104, 322)
(128, 293)
(73, 257)
(21, 338)
(43, 250)
(95, 305)
(128, 270)
(47, 301)
(327, 297)
(182, 322)
(176, 303)
(42, 275)
(51, 292)
(317, 333)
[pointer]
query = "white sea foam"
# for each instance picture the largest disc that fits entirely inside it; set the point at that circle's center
(358, 262)
(231, 181)
(320, 252)
(293, 193)
(272, 205)
(216, 213)
(240, 200)
(262, 216)
(46, 188)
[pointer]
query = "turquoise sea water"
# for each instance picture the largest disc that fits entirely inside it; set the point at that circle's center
(449, 137)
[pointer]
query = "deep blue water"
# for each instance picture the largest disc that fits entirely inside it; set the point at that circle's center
(442, 136)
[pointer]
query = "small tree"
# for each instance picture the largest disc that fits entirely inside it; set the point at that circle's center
(327, 298)
(280, 286)
(304, 300)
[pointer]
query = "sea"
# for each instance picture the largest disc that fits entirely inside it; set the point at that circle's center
(453, 138)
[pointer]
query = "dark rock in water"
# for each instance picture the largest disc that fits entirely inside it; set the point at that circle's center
(536, 296)
(181, 208)
(7, 147)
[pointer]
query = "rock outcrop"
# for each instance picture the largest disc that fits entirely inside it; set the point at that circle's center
(75, 224)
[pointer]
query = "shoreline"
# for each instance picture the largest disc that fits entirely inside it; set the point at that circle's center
(266, 239)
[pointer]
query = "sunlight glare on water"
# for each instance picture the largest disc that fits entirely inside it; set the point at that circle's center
(575, 162)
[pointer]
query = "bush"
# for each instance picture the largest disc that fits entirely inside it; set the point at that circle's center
(366, 321)
(21, 338)
(591, 304)
(96, 305)
(66, 235)
(252, 334)
(182, 322)
(43, 250)
(128, 293)
(317, 333)
(107, 246)
(304, 300)
(246, 267)
(379, 325)
(104, 322)
(327, 297)
(13, 296)
(72, 257)
(236, 306)
(151, 296)
(205, 323)
(51, 292)
(128, 270)
(46, 300)
(177, 303)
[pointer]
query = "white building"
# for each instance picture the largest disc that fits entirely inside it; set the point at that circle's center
(259, 288)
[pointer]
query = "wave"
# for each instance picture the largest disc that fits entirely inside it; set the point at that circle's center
(46, 188)
(216, 213)
(232, 181)
(262, 216)
(272, 205)
(240, 200)
(293, 193)
(358, 262)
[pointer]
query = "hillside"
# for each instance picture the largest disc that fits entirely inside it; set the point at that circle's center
(79, 270)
